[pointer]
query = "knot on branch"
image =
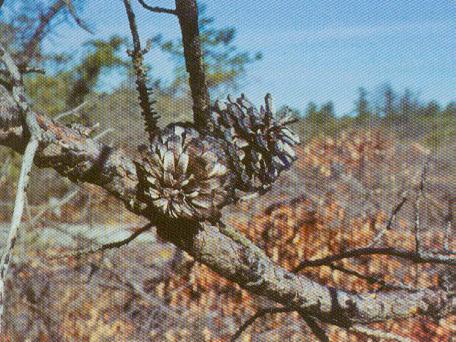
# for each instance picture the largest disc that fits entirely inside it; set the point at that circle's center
(438, 304)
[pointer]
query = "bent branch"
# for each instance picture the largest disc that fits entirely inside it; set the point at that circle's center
(84, 160)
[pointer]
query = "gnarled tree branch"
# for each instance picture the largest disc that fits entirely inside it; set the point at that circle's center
(84, 160)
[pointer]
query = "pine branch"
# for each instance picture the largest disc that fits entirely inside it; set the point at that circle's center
(137, 55)
(187, 12)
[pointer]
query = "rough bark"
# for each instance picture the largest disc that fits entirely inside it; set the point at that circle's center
(187, 12)
(85, 160)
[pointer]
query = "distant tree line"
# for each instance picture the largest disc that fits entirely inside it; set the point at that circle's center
(404, 113)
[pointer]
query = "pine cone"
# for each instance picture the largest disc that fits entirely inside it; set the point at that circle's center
(185, 174)
(259, 142)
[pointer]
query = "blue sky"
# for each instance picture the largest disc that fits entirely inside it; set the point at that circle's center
(314, 50)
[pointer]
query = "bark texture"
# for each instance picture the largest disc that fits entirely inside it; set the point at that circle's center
(187, 12)
(84, 160)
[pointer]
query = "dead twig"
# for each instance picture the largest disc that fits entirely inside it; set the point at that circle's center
(417, 205)
(391, 219)
(260, 313)
(77, 19)
(61, 202)
(34, 129)
(41, 31)
(102, 134)
(371, 279)
(73, 111)
(318, 331)
(137, 55)
(104, 247)
(157, 9)
(27, 164)
(360, 252)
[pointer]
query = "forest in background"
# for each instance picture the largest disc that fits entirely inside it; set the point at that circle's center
(352, 169)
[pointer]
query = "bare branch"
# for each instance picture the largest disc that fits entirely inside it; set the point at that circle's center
(137, 56)
(104, 247)
(392, 218)
(40, 31)
(18, 94)
(371, 279)
(318, 331)
(187, 12)
(77, 19)
(157, 9)
(73, 111)
(419, 196)
(84, 160)
(27, 164)
(260, 313)
(360, 252)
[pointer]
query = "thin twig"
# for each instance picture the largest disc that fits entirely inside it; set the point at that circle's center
(260, 313)
(157, 9)
(371, 279)
(360, 252)
(32, 70)
(137, 57)
(318, 331)
(40, 31)
(391, 219)
(102, 134)
(419, 196)
(449, 219)
(106, 246)
(79, 21)
(70, 112)
(61, 202)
